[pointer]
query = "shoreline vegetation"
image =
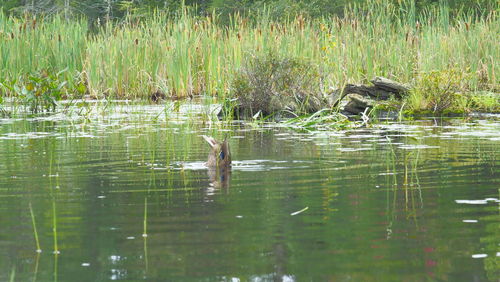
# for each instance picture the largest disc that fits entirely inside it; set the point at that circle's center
(450, 62)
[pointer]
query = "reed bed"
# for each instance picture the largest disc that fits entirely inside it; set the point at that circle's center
(190, 55)
(29, 45)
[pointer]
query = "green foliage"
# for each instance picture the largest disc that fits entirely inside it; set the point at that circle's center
(42, 91)
(439, 91)
(483, 101)
(38, 91)
(278, 9)
(32, 44)
(186, 53)
(325, 119)
(3, 112)
(269, 84)
(229, 108)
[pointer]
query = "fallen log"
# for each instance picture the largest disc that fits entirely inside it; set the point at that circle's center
(382, 89)
(389, 85)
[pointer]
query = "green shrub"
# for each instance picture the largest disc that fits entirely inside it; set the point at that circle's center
(270, 84)
(484, 101)
(439, 92)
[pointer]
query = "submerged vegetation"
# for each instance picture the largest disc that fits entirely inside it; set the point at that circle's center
(447, 59)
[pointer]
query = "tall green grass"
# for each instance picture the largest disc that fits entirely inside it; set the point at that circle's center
(188, 55)
(50, 45)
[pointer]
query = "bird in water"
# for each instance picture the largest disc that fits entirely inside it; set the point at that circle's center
(219, 155)
(219, 163)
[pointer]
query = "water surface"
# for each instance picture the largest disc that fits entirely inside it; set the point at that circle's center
(125, 195)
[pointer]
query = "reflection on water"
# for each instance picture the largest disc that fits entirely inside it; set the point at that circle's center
(127, 196)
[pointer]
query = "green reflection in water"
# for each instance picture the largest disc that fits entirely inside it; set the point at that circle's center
(382, 202)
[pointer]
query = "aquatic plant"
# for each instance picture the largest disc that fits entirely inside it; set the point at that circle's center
(435, 91)
(54, 227)
(35, 232)
(145, 220)
(445, 91)
(39, 91)
(32, 44)
(271, 83)
(3, 111)
(186, 54)
(325, 119)
(483, 101)
(12, 276)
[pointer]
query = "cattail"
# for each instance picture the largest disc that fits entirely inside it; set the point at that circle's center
(136, 41)
(414, 40)
(467, 26)
(300, 22)
(337, 25)
(12, 35)
(239, 36)
(354, 24)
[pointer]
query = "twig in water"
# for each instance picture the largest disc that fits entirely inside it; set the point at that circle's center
(301, 211)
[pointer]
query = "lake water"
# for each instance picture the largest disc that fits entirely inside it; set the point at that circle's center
(124, 195)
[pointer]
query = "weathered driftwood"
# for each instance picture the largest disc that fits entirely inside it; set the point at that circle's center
(370, 91)
(356, 103)
(389, 85)
(363, 96)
